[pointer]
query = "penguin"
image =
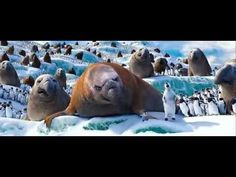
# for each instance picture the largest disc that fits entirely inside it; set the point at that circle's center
(196, 106)
(1, 91)
(8, 111)
(184, 108)
(16, 94)
(5, 94)
(222, 106)
(10, 104)
(2, 112)
(169, 99)
(233, 102)
(11, 94)
(19, 96)
(23, 99)
(212, 107)
(24, 114)
(190, 105)
(18, 114)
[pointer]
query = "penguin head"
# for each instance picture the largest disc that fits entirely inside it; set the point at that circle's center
(196, 98)
(167, 85)
(181, 100)
(209, 99)
(233, 101)
(7, 105)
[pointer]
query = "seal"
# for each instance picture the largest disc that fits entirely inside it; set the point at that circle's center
(28, 81)
(22, 53)
(106, 89)
(35, 62)
(25, 60)
(198, 63)
(4, 57)
(79, 55)
(140, 63)
(47, 97)
(160, 65)
(8, 74)
(47, 58)
(3, 43)
(60, 75)
(226, 78)
(10, 50)
(34, 49)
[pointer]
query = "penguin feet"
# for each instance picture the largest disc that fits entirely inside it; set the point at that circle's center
(173, 118)
(166, 119)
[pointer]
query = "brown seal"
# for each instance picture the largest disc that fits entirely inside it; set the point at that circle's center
(140, 63)
(79, 55)
(119, 54)
(68, 50)
(22, 53)
(34, 49)
(10, 50)
(3, 43)
(198, 64)
(107, 89)
(47, 97)
(47, 58)
(25, 60)
(35, 62)
(8, 74)
(58, 50)
(4, 57)
(226, 78)
(60, 75)
(160, 65)
(28, 81)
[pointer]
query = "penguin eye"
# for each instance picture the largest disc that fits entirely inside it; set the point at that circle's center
(54, 80)
(98, 88)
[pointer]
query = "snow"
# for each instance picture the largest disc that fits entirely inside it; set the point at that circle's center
(125, 125)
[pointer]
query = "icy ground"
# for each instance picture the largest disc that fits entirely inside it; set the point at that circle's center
(130, 125)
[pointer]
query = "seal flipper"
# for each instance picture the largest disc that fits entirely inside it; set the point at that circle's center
(68, 111)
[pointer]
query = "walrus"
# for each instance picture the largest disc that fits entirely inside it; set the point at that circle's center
(226, 78)
(113, 44)
(68, 51)
(46, 46)
(160, 65)
(140, 63)
(35, 62)
(99, 54)
(34, 49)
(198, 64)
(60, 75)
(58, 50)
(28, 81)
(10, 50)
(71, 71)
(25, 61)
(8, 74)
(107, 89)
(47, 97)
(47, 58)
(22, 53)
(79, 55)
(4, 57)
(3, 43)
(119, 54)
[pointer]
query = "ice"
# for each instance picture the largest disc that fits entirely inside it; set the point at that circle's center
(181, 85)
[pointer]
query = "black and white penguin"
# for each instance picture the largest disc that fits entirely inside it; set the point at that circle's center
(169, 99)
(184, 107)
(9, 113)
(190, 105)
(197, 108)
(212, 107)
(11, 94)
(24, 114)
(2, 111)
(233, 103)
(222, 106)
(1, 91)
(5, 94)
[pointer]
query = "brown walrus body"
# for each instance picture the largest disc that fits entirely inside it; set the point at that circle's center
(226, 78)
(106, 89)
(47, 97)
(8, 74)
(198, 64)
(140, 64)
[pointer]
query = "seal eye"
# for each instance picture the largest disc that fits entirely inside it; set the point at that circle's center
(116, 79)
(139, 54)
(98, 88)
(38, 81)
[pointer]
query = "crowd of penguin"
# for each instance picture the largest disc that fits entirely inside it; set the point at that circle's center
(205, 102)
